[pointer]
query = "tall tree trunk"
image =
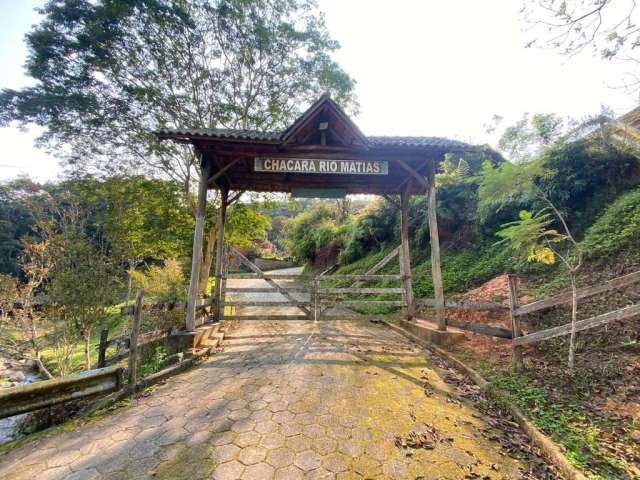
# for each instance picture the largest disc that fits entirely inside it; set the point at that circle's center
(574, 316)
(207, 259)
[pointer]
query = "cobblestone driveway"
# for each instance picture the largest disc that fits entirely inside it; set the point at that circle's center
(288, 399)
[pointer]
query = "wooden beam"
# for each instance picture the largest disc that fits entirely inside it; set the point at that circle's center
(196, 256)
(267, 279)
(222, 218)
(405, 262)
(413, 172)
(515, 321)
(436, 270)
(133, 339)
(621, 314)
(34, 396)
(565, 297)
(226, 167)
(234, 198)
(381, 264)
(359, 277)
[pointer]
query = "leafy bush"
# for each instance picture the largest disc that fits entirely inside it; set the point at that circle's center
(163, 284)
(617, 228)
(314, 229)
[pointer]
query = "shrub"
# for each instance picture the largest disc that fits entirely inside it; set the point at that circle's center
(163, 284)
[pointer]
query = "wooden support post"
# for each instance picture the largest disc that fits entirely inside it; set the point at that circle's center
(405, 262)
(102, 348)
(436, 270)
(196, 256)
(222, 217)
(133, 340)
(515, 321)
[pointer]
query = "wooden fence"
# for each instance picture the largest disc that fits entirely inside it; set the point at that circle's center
(107, 378)
(517, 311)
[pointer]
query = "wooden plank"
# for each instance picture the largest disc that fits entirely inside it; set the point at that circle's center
(481, 328)
(381, 264)
(226, 167)
(364, 303)
(363, 277)
(597, 321)
(565, 297)
(27, 398)
(450, 304)
(515, 321)
(405, 261)
(257, 303)
(405, 166)
(196, 255)
(357, 291)
(265, 317)
(261, 275)
(434, 238)
(222, 217)
(244, 276)
(133, 345)
(265, 289)
(102, 348)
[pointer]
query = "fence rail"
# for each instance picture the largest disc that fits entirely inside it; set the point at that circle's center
(27, 398)
(565, 297)
(585, 292)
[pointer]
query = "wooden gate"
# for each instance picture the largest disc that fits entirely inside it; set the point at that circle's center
(289, 296)
(325, 297)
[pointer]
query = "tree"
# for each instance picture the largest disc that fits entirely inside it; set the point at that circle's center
(110, 72)
(83, 280)
(530, 237)
(142, 219)
(610, 29)
(529, 136)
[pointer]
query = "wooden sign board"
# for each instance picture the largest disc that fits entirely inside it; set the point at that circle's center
(320, 166)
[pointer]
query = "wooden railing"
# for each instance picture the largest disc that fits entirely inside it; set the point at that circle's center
(518, 311)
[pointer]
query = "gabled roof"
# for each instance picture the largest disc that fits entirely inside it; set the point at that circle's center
(323, 107)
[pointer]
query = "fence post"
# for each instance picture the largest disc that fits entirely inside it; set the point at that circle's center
(314, 297)
(515, 320)
(102, 348)
(133, 340)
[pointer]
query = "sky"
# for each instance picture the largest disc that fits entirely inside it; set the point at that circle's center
(434, 68)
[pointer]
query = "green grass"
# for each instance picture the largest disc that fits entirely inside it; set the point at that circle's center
(114, 321)
(568, 424)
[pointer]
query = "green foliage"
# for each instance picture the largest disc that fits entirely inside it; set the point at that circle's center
(461, 271)
(528, 137)
(143, 219)
(162, 284)
(108, 72)
(530, 237)
(15, 222)
(567, 423)
(245, 224)
(374, 227)
(617, 229)
(314, 229)
(510, 183)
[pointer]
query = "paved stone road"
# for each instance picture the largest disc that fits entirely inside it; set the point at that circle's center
(294, 399)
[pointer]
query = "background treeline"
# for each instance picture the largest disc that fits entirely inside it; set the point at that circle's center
(588, 170)
(71, 253)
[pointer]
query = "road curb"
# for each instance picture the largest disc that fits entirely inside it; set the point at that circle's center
(549, 449)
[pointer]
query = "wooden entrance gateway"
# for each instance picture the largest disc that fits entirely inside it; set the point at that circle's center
(322, 151)
(313, 301)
